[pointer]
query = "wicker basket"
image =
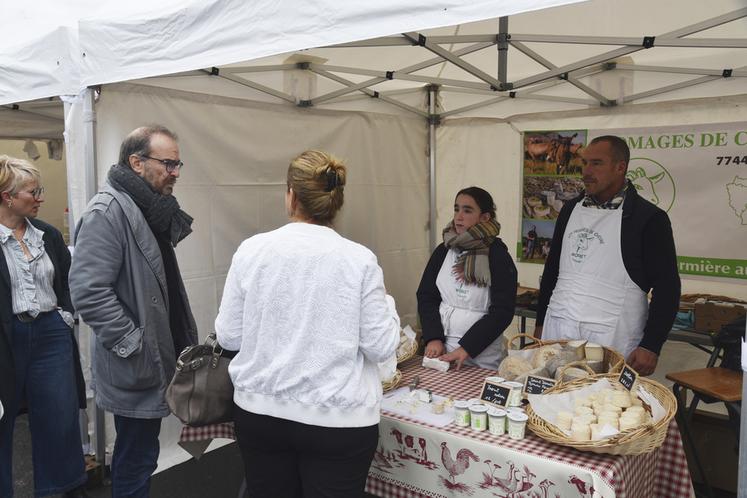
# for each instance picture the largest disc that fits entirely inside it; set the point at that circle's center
(612, 361)
(644, 439)
(393, 382)
(408, 353)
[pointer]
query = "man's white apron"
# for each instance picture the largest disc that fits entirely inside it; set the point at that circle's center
(595, 298)
(461, 306)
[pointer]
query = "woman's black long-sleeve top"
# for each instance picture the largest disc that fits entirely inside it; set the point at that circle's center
(500, 313)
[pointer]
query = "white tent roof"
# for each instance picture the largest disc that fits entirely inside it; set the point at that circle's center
(61, 47)
(571, 57)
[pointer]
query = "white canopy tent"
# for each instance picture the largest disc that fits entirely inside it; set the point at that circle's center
(248, 86)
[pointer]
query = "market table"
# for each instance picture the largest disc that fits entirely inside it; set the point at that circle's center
(418, 460)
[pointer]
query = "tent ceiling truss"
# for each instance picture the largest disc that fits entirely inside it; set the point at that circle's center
(496, 88)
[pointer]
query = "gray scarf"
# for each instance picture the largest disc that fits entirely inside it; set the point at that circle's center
(161, 211)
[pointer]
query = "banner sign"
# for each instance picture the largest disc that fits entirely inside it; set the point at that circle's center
(696, 173)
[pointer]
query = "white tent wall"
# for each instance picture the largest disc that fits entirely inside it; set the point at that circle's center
(233, 183)
(487, 153)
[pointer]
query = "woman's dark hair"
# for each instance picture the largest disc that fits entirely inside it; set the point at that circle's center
(483, 199)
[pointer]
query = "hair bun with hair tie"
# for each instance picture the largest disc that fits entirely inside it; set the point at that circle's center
(331, 179)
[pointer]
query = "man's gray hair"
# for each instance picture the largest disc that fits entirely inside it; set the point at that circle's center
(138, 142)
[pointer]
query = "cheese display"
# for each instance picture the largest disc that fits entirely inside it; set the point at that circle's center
(544, 354)
(612, 410)
(514, 366)
(407, 344)
(548, 361)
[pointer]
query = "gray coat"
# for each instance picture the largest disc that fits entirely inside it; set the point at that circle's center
(118, 285)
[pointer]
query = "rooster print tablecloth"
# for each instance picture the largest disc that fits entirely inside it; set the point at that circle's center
(417, 460)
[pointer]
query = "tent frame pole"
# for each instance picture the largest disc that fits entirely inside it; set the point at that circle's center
(742, 465)
(433, 119)
(409, 69)
(573, 81)
(502, 46)
(456, 60)
(91, 182)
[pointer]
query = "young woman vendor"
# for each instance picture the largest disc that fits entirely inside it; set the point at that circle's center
(467, 293)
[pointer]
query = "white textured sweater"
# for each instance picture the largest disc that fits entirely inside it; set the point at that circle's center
(308, 313)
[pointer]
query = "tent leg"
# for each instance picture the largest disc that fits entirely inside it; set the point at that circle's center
(742, 477)
(432, 122)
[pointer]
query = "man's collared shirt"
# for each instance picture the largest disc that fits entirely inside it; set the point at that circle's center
(31, 280)
(613, 203)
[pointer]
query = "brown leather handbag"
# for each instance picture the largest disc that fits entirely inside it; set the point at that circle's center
(201, 392)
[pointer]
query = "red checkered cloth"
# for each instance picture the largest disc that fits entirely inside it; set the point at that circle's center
(662, 473)
(191, 434)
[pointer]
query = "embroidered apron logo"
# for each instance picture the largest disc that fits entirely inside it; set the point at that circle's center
(583, 241)
(462, 291)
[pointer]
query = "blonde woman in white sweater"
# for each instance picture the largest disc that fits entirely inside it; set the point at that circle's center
(307, 311)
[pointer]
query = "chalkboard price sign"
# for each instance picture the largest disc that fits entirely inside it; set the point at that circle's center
(494, 393)
(628, 377)
(538, 385)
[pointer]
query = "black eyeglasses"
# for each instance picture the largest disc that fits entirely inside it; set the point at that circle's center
(171, 164)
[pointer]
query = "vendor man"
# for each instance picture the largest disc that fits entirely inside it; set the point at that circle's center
(610, 248)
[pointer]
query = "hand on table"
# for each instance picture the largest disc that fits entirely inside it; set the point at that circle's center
(458, 356)
(643, 361)
(434, 348)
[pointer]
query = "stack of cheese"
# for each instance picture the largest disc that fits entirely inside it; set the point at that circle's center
(547, 361)
(611, 408)
(407, 343)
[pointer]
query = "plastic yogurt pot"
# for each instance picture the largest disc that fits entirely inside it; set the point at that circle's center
(497, 421)
(461, 413)
(514, 397)
(517, 425)
(495, 379)
(478, 417)
(474, 401)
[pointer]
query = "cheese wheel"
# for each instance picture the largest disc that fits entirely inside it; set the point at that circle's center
(543, 355)
(626, 424)
(580, 432)
(582, 401)
(583, 410)
(609, 407)
(513, 366)
(586, 419)
(621, 399)
(576, 348)
(594, 352)
(564, 420)
(636, 409)
(570, 374)
(614, 423)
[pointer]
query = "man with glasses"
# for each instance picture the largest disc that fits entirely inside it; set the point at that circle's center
(126, 285)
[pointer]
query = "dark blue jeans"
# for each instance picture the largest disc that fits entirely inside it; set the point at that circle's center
(135, 456)
(45, 376)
